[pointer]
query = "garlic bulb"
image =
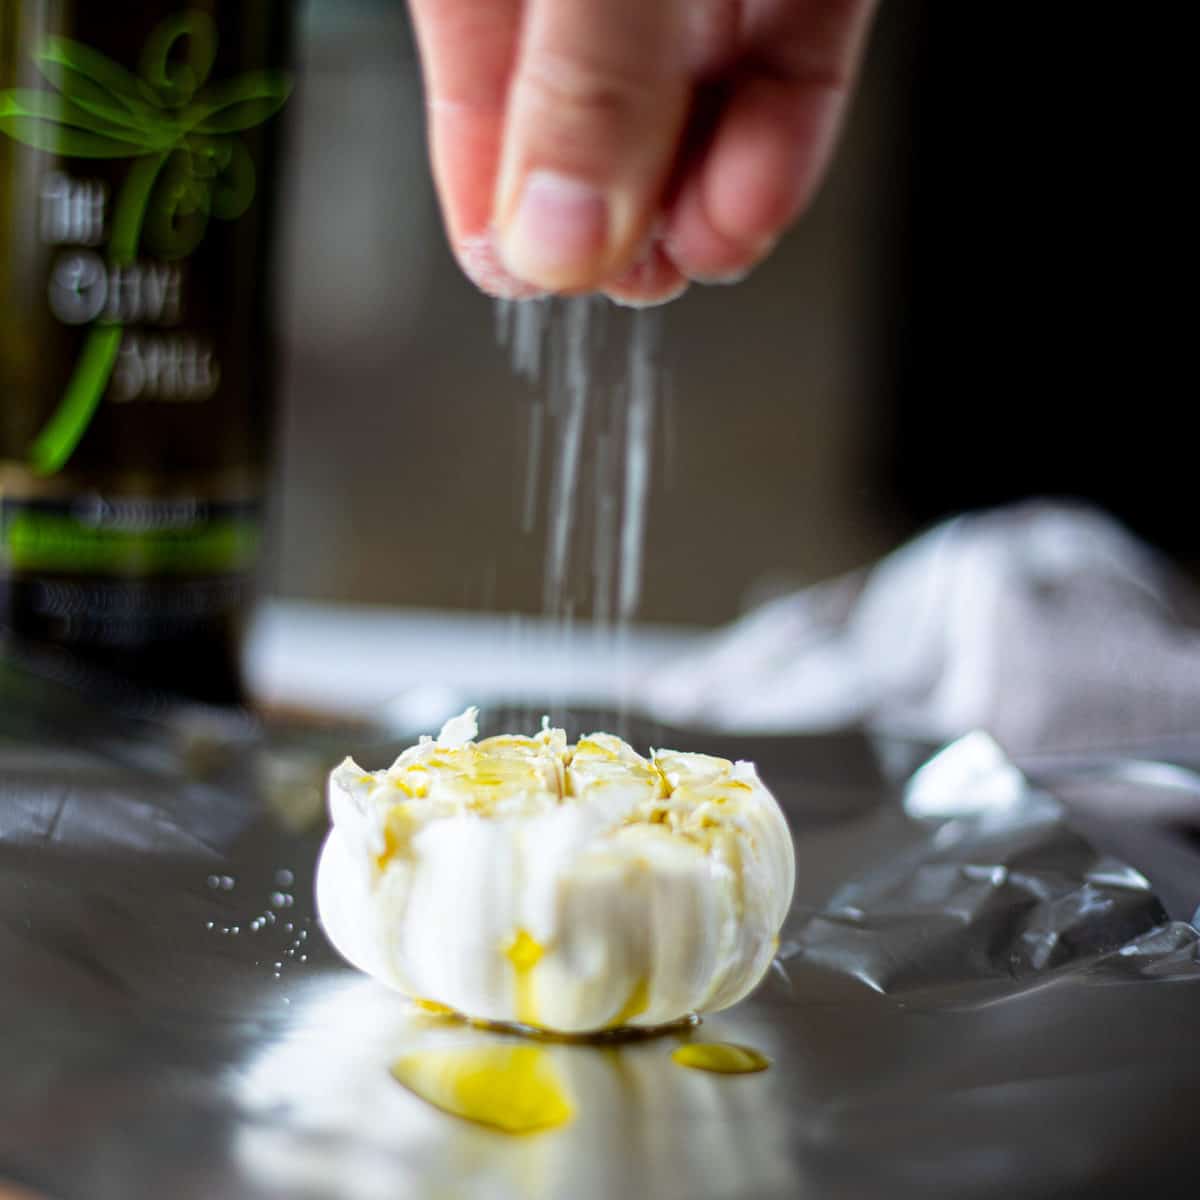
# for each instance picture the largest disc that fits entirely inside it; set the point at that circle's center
(574, 888)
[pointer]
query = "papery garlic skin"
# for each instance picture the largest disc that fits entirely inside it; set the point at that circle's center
(572, 888)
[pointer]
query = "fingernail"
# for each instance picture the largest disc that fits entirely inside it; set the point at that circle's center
(648, 299)
(558, 232)
(750, 260)
(723, 278)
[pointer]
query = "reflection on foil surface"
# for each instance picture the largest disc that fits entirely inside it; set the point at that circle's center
(326, 1117)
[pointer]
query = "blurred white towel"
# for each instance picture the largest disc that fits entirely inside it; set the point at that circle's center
(1046, 624)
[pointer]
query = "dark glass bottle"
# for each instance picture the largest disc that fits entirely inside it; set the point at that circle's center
(138, 145)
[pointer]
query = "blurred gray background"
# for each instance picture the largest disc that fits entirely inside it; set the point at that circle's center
(401, 463)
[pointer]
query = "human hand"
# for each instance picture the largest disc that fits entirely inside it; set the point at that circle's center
(630, 146)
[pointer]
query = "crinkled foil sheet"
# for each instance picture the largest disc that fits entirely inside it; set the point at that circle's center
(976, 1007)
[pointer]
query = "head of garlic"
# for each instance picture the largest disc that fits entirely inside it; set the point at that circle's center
(574, 888)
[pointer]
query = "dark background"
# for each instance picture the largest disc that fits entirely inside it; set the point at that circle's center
(1037, 330)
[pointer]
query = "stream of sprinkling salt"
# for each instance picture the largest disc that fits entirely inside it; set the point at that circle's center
(564, 493)
(533, 465)
(640, 403)
(604, 513)
(590, 439)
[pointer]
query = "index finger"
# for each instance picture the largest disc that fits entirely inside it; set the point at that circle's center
(468, 49)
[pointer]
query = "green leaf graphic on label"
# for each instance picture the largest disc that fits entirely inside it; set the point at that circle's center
(49, 122)
(93, 80)
(189, 165)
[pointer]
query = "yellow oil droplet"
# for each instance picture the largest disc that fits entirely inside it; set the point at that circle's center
(434, 1008)
(510, 1088)
(524, 952)
(638, 1002)
(397, 832)
(507, 742)
(722, 1057)
(588, 746)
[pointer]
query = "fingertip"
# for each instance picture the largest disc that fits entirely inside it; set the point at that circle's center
(479, 257)
(651, 279)
(761, 168)
(699, 250)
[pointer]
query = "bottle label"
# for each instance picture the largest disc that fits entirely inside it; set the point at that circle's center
(126, 535)
(109, 566)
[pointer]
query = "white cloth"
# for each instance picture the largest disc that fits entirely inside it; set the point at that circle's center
(1046, 624)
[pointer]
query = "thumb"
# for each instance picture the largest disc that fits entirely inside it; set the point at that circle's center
(596, 110)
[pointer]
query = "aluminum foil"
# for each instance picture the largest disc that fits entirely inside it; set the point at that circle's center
(977, 1000)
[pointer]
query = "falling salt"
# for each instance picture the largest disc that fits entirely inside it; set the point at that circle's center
(604, 512)
(533, 466)
(502, 311)
(528, 324)
(642, 395)
(564, 489)
(590, 435)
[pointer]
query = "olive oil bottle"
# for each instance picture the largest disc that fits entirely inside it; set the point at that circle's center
(138, 146)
